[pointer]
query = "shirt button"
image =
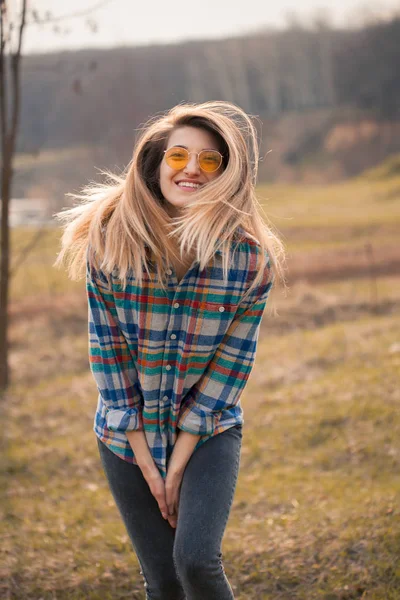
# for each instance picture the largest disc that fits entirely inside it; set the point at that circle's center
(169, 272)
(165, 398)
(176, 305)
(173, 336)
(221, 309)
(168, 367)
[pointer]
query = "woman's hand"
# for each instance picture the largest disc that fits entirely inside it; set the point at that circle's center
(172, 490)
(157, 488)
(144, 459)
(138, 442)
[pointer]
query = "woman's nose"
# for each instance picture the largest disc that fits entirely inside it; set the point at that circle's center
(193, 165)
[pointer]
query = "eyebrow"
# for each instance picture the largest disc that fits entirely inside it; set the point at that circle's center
(186, 148)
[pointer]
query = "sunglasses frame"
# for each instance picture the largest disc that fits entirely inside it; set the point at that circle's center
(198, 161)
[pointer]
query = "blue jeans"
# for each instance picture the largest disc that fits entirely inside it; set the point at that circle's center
(183, 563)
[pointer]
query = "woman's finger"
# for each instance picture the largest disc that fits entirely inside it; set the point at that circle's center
(157, 488)
(172, 520)
(171, 507)
(163, 507)
(169, 497)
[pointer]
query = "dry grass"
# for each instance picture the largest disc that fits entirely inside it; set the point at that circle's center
(316, 512)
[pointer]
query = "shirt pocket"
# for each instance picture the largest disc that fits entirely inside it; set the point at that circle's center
(208, 323)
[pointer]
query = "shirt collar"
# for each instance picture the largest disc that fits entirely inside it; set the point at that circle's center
(239, 230)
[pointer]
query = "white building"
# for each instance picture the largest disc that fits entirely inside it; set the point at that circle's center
(29, 211)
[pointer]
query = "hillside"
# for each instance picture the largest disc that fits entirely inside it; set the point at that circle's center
(326, 98)
(317, 148)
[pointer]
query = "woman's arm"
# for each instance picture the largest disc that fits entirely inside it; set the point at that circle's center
(141, 450)
(225, 377)
(137, 440)
(183, 450)
(110, 358)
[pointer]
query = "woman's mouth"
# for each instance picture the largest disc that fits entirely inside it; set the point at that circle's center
(188, 186)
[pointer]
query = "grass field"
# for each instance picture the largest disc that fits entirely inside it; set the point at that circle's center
(316, 512)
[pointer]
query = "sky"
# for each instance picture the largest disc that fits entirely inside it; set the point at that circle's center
(110, 23)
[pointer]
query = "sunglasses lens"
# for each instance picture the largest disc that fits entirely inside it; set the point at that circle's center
(210, 161)
(176, 158)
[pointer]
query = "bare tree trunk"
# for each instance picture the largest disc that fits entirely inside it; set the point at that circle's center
(4, 273)
(8, 139)
(5, 200)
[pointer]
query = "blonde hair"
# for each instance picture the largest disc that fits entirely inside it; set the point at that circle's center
(115, 220)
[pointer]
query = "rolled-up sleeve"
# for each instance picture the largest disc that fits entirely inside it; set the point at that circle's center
(111, 362)
(225, 377)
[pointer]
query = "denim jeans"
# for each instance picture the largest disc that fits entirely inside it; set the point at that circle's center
(183, 563)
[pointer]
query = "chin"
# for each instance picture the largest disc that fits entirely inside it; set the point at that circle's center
(177, 203)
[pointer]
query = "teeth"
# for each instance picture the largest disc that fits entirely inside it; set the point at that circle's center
(188, 184)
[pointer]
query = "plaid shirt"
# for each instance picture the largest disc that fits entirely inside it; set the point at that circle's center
(174, 360)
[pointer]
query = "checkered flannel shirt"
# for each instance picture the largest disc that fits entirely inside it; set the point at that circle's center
(174, 360)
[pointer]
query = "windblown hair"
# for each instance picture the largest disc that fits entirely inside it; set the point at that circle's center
(116, 220)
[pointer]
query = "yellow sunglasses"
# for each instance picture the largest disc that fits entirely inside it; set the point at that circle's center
(177, 158)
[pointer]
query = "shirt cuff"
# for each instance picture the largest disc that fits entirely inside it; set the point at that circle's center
(198, 421)
(125, 420)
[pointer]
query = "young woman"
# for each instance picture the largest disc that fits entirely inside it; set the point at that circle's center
(179, 264)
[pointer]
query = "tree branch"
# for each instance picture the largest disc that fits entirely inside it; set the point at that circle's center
(26, 250)
(21, 28)
(15, 60)
(81, 13)
(3, 76)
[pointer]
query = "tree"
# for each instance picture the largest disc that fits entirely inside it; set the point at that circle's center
(11, 35)
(12, 27)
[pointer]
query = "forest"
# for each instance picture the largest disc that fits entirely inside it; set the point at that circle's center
(323, 95)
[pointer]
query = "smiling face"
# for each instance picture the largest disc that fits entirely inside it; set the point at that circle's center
(176, 186)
